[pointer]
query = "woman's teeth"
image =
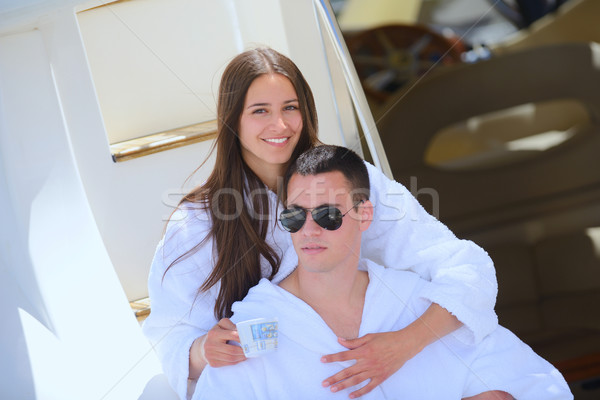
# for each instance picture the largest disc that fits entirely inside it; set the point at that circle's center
(276, 140)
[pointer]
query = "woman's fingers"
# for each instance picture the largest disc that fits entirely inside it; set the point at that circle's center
(340, 377)
(226, 323)
(377, 355)
(230, 355)
(222, 332)
(216, 349)
(365, 389)
(341, 356)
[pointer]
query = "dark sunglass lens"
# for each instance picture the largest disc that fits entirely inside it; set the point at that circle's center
(292, 219)
(329, 218)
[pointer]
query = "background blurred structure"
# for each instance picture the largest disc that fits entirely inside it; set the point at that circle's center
(490, 111)
(106, 107)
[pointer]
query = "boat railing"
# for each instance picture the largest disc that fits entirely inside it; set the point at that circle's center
(330, 26)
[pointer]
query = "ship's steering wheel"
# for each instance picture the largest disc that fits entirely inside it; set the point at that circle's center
(387, 57)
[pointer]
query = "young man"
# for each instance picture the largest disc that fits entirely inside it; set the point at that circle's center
(333, 293)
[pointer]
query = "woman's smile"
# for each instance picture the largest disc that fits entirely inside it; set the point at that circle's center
(277, 141)
(270, 125)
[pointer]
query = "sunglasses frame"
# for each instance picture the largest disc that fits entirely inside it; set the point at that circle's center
(317, 220)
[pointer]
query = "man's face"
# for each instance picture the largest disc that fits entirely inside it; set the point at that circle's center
(318, 249)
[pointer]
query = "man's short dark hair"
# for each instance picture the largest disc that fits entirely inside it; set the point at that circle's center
(328, 158)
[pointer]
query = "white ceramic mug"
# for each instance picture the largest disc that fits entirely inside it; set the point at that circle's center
(258, 336)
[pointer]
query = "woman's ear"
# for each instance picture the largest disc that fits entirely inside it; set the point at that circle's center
(365, 211)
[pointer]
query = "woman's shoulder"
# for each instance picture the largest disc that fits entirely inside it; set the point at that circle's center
(374, 172)
(188, 229)
(189, 214)
(379, 181)
(392, 201)
(398, 278)
(190, 222)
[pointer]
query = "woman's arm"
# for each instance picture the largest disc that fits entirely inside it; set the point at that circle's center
(180, 315)
(404, 236)
(463, 285)
(380, 355)
(212, 349)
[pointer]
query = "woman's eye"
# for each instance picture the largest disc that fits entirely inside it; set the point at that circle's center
(259, 111)
(291, 108)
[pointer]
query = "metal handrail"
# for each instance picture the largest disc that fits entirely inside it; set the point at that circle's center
(357, 94)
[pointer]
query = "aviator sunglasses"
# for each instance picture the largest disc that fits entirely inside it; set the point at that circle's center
(327, 217)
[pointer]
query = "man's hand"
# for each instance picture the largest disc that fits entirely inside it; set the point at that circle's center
(212, 348)
(377, 355)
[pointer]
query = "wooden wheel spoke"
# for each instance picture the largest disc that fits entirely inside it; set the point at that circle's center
(385, 42)
(370, 61)
(387, 57)
(420, 45)
(381, 79)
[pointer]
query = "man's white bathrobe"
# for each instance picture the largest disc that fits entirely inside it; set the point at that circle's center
(447, 369)
(402, 236)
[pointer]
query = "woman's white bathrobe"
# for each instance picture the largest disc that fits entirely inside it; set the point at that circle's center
(447, 369)
(402, 236)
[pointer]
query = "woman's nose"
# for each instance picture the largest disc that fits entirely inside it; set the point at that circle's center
(278, 123)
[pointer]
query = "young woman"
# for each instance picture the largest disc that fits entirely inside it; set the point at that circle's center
(224, 238)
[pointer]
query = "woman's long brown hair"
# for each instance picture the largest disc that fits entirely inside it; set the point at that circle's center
(239, 233)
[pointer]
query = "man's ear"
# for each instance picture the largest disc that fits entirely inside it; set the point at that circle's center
(365, 211)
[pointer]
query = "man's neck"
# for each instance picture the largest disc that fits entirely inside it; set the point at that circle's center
(337, 296)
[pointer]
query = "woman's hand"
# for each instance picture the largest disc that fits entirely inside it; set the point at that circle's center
(212, 348)
(377, 355)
